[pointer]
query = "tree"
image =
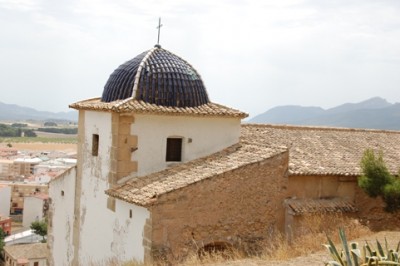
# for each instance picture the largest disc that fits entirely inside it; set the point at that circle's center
(375, 174)
(40, 228)
(29, 133)
(50, 124)
(2, 244)
(376, 180)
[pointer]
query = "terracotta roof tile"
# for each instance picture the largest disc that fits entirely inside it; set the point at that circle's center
(144, 190)
(302, 206)
(28, 251)
(326, 151)
(135, 106)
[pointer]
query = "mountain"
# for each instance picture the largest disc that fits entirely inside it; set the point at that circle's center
(374, 113)
(16, 112)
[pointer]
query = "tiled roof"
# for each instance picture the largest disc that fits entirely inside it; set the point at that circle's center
(141, 107)
(143, 191)
(326, 151)
(28, 251)
(302, 206)
(159, 77)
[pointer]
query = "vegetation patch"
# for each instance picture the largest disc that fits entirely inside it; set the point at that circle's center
(377, 181)
(38, 140)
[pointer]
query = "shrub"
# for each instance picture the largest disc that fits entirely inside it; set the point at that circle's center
(376, 180)
(375, 174)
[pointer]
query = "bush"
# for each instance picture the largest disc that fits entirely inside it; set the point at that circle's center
(50, 124)
(376, 180)
(391, 196)
(375, 174)
(19, 125)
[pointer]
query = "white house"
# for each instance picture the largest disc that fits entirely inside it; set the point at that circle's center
(5, 199)
(35, 209)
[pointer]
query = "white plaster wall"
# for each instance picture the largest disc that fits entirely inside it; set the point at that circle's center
(127, 243)
(62, 209)
(105, 234)
(208, 134)
(96, 220)
(5, 197)
(33, 211)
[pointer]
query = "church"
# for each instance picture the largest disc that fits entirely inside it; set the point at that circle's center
(163, 171)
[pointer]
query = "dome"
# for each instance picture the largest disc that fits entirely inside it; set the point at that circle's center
(158, 77)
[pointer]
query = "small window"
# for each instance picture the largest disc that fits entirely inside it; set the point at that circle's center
(62, 192)
(95, 145)
(174, 150)
(36, 263)
(130, 213)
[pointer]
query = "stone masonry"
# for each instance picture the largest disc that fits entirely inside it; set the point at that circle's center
(239, 208)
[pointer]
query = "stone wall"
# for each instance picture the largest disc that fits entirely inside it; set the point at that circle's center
(239, 208)
(372, 213)
(315, 187)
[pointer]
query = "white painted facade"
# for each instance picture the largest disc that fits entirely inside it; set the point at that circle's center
(201, 136)
(104, 234)
(5, 200)
(62, 195)
(33, 210)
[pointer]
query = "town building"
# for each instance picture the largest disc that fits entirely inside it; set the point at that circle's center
(54, 165)
(35, 209)
(6, 169)
(5, 199)
(26, 255)
(25, 166)
(8, 153)
(21, 190)
(168, 172)
(5, 224)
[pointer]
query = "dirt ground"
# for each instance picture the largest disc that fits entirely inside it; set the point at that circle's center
(37, 146)
(318, 258)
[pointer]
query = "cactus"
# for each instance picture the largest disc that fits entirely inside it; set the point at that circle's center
(351, 255)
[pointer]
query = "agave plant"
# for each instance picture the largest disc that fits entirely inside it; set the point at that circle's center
(351, 255)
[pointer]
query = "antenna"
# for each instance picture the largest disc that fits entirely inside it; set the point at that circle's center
(159, 29)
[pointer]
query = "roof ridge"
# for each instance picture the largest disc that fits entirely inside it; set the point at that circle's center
(322, 128)
(139, 71)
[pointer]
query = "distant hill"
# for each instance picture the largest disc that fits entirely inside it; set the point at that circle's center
(20, 113)
(374, 113)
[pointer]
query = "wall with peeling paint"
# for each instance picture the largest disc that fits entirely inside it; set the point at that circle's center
(61, 218)
(152, 132)
(104, 234)
(127, 241)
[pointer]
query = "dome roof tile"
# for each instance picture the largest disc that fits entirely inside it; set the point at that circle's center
(157, 77)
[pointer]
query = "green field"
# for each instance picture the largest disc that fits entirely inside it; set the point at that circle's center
(38, 139)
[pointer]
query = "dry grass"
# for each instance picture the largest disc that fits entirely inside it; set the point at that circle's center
(311, 235)
(308, 239)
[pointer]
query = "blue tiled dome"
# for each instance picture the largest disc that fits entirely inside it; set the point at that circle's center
(158, 77)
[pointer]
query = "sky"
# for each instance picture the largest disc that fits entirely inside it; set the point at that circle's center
(251, 54)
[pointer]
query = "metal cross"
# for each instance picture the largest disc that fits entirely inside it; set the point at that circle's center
(159, 29)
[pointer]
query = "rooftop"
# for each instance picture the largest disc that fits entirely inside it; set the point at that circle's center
(302, 206)
(159, 77)
(326, 151)
(28, 251)
(140, 107)
(143, 191)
